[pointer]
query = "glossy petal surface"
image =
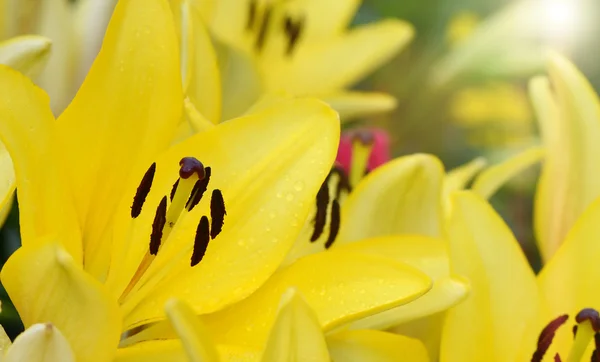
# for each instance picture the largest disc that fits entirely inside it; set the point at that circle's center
(340, 287)
(135, 119)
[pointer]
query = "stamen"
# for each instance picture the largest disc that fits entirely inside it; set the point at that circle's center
(557, 358)
(198, 191)
(546, 337)
(157, 226)
(217, 213)
(189, 166)
(596, 352)
(251, 15)
(201, 241)
(142, 191)
(173, 190)
(321, 215)
(588, 326)
(292, 30)
(343, 181)
(362, 145)
(334, 225)
(262, 32)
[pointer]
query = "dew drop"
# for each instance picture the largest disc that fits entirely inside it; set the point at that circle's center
(299, 185)
(289, 197)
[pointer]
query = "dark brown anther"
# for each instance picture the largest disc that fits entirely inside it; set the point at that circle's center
(292, 30)
(200, 241)
(334, 225)
(264, 27)
(575, 331)
(557, 358)
(157, 226)
(190, 166)
(321, 215)
(142, 191)
(596, 353)
(252, 9)
(589, 314)
(198, 191)
(173, 190)
(546, 337)
(217, 213)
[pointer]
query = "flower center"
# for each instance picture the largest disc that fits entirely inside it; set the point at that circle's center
(185, 194)
(261, 20)
(586, 330)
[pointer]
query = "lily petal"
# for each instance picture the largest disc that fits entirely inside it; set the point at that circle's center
(491, 179)
(493, 319)
(268, 184)
(47, 286)
(296, 334)
(40, 343)
(423, 253)
(193, 334)
(375, 346)
(340, 287)
(457, 179)
(573, 272)
(336, 63)
(26, 128)
(401, 197)
(570, 179)
(27, 54)
(137, 119)
(351, 105)
(7, 186)
(202, 82)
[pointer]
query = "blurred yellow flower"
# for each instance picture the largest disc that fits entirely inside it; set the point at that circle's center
(299, 48)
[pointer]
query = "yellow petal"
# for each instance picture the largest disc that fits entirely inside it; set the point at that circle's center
(7, 184)
(457, 179)
(40, 343)
(200, 63)
(58, 78)
(153, 351)
(351, 105)
(401, 197)
(375, 346)
(296, 334)
(27, 54)
(568, 283)
(340, 286)
(493, 319)
(194, 336)
(26, 128)
(491, 179)
(124, 114)
(46, 286)
(423, 253)
(5, 341)
(335, 62)
(570, 179)
(269, 185)
(241, 82)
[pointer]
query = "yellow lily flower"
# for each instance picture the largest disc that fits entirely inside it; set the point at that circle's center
(569, 120)
(509, 307)
(288, 45)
